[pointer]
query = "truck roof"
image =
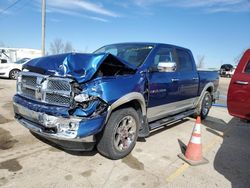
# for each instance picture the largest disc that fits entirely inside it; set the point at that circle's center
(150, 43)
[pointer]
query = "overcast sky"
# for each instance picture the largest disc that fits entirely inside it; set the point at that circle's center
(218, 29)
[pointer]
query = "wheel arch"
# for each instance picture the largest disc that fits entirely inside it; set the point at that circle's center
(208, 87)
(133, 99)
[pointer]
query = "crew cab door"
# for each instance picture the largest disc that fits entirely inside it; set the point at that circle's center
(172, 92)
(188, 79)
(238, 94)
(163, 86)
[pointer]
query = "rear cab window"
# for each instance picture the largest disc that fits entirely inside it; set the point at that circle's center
(185, 61)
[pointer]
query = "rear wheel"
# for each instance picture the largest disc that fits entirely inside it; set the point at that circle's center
(206, 105)
(120, 134)
(13, 74)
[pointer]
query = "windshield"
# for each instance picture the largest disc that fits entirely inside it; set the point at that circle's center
(132, 53)
(21, 61)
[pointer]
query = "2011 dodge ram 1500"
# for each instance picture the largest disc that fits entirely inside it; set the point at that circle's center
(110, 97)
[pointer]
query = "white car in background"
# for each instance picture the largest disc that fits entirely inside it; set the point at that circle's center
(11, 70)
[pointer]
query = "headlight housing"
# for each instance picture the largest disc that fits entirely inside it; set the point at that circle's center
(82, 97)
(19, 84)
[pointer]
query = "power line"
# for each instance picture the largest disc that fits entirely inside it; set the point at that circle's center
(10, 6)
(23, 5)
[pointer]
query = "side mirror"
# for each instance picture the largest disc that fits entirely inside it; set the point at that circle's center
(166, 66)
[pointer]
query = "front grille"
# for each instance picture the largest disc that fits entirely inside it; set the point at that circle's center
(51, 90)
(59, 85)
(29, 80)
(52, 98)
(30, 93)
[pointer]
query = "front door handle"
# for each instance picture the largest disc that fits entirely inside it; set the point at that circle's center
(175, 79)
(195, 78)
(241, 82)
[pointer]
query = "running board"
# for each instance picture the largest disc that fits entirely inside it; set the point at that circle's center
(165, 121)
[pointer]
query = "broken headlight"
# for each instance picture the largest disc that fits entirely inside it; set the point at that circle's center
(87, 105)
(82, 97)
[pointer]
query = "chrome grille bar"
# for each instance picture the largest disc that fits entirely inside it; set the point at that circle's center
(51, 90)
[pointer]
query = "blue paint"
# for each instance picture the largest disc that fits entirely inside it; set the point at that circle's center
(81, 67)
(41, 107)
(111, 89)
(91, 126)
(87, 111)
(220, 105)
(223, 97)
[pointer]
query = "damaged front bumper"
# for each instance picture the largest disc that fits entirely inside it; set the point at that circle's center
(69, 133)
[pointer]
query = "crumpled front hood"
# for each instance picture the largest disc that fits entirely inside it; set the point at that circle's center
(81, 67)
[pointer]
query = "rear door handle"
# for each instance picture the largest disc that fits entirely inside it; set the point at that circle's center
(175, 79)
(241, 82)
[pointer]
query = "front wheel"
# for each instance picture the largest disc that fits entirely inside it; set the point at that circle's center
(120, 134)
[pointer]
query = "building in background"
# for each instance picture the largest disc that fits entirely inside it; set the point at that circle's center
(10, 55)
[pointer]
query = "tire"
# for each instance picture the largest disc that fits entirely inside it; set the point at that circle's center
(120, 134)
(202, 109)
(13, 74)
(206, 105)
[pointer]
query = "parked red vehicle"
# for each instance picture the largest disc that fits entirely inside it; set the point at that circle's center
(238, 98)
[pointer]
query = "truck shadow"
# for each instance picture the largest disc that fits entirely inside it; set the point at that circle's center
(161, 129)
(166, 127)
(57, 148)
(232, 158)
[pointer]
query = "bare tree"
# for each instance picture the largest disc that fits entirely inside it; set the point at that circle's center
(57, 46)
(200, 61)
(68, 47)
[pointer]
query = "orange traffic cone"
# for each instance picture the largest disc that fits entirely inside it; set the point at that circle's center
(193, 154)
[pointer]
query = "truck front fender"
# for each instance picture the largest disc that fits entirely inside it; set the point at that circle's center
(126, 99)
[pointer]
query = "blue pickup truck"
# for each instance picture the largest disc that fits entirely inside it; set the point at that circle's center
(111, 97)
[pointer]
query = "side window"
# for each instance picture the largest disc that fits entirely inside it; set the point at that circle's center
(185, 62)
(247, 69)
(3, 61)
(163, 55)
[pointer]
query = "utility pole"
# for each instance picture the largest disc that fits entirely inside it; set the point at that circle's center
(43, 25)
